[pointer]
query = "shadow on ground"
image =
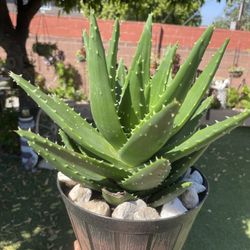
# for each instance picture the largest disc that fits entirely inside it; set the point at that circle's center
(33, 216)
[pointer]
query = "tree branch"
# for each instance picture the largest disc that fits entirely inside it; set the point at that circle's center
(19, 4)
(6, 26)
(32, 8)
(5, 21)
(25, 13)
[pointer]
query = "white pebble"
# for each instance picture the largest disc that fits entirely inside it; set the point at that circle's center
(80, 194)
(190, 198)
(125, 211)
(97, 207)
(196, 177)
(139, 203)
(199, 188)
(63, 178)
(172, 208)
(146, 213)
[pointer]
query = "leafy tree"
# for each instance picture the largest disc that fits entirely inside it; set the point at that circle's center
(164, 11)
(13, 37)
(231, 13)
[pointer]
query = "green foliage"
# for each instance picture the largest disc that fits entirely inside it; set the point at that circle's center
(139, 147)
(67, 5)
(239, 98)
(40, 81)
(231, 13)
(164, 11)
(233, 97)
(68, 77)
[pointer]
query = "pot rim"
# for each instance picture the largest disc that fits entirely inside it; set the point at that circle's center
(101, 217)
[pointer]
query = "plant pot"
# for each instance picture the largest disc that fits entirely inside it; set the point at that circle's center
(96, 232)
(236, 74)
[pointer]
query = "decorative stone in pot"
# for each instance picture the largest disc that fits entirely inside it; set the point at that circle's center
(145, 139)
(236, 71)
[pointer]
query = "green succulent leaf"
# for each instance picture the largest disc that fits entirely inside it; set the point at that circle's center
(136, 90)
(101, 92)
(181, 84)
(168, 194)
(146, 44)
(143, 52)
(146, 140)
(204, 106)
(127, 114)
(190, 127)
(85, 39)
(90, 168)
(112, 53)
(119, 81)
(147, 177)
(121, 73)
(137, 118)
(73, 171)
(72, 145)
(180, 167)
(205, 136)
(198, 90)
(66, 140)
(75, 126)
(160, 78)
(118, 197)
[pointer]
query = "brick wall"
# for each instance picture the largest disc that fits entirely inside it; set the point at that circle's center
(66, 32)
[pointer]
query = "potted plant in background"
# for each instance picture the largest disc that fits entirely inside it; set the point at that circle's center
(239, 98)
(135, 163)
(236, 71)
(44, 49)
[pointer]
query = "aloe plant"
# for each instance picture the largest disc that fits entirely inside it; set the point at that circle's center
(147, 130)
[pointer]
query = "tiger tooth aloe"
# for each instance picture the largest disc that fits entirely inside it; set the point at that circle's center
(147, 131)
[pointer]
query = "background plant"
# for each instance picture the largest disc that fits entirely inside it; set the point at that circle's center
(236, 71)
(147, 128)
(231, 13)
(44, 49)
(68, 79)
(164, 11)
(235, 68)
(239, 97)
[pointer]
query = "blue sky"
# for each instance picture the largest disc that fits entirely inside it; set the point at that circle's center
(210, 10)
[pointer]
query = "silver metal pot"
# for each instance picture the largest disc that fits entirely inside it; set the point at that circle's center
(96, 232)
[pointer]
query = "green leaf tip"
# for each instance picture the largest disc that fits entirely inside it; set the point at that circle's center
(117, 198)
(148, 177)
